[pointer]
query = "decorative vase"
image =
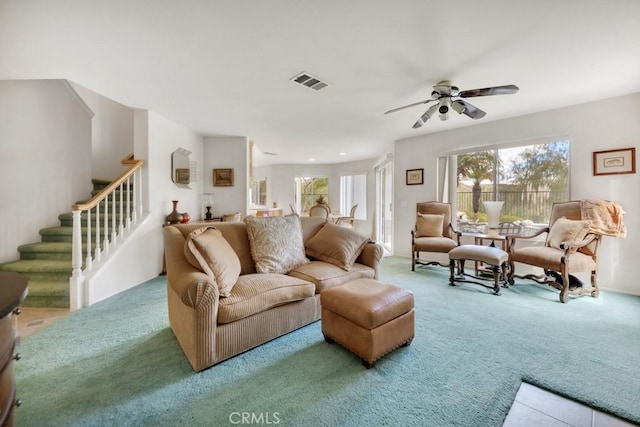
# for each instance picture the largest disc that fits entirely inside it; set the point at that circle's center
(185, 217)
(208, 216)
(174, 217)
(493, 209)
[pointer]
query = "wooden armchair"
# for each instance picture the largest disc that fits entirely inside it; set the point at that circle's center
(569, 248)
(433, 233)
(232, 217)
(319, 210)
(348, 220)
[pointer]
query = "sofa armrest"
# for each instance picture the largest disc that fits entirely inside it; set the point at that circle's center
(371, 256)
(194, 288)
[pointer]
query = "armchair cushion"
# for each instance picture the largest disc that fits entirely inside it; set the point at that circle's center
(276, 243)
(208, 251)
(429, 225)
(552, 259)
(336, 245)
(567, 230)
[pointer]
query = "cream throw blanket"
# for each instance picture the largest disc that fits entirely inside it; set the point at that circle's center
(605, 217)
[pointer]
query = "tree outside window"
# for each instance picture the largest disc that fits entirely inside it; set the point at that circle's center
(312, 189)
(528, 179)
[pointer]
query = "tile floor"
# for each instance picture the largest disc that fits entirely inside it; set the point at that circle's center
(533, 406)
(536, 407)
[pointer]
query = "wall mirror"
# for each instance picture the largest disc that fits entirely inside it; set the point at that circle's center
(181, 166)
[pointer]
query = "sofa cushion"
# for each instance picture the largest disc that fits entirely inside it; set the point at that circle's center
(567, 230)
(325, 275)
(207, 250)
(255, 293)
(276, 243)
(336, 245)
(428, 225)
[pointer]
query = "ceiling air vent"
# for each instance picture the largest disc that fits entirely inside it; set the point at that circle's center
(308, 80)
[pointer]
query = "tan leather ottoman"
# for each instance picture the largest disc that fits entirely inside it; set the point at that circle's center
(368, 318)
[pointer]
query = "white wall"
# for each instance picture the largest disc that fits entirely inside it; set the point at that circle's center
(281, 188)
(225, 152)
(140, 257)
(597, 126)
(45, 158)
(112, 133)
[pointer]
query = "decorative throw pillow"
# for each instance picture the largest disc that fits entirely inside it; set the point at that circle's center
(276, 243)
(566, 230)
(429, 225)
(336, 245)
(206, 249)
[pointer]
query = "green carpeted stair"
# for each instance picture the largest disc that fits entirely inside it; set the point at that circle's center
(47, 264)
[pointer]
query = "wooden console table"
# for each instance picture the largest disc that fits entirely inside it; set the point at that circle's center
(13, 290)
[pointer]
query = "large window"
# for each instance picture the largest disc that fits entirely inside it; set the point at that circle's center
(258, 192)
(353, 191)
(310, 190)
(529, 179)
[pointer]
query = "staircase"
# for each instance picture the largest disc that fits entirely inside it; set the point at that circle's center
(47, 264)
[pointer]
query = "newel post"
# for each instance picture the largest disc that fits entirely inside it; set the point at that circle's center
(76, 291)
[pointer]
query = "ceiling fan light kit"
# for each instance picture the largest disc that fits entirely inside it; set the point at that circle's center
(443, 92)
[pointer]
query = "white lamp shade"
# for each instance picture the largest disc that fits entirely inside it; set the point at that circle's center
(493, 212)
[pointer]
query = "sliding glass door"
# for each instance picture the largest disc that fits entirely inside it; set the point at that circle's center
(384, 202)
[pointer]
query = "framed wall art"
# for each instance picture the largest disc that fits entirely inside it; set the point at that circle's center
(223, 177)
(612, 162)
(415, 176)
(183, 176)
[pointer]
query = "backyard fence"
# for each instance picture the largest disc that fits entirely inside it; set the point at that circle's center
(518, 205)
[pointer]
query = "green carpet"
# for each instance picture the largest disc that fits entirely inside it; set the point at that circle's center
(117, 363)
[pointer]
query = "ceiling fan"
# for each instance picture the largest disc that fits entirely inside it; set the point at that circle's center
(445, 97)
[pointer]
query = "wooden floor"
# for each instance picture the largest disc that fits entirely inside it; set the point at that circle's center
(34, 319)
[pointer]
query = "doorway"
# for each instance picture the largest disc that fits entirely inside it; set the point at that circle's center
(384, 205)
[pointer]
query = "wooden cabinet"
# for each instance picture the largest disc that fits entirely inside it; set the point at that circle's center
(13, 290)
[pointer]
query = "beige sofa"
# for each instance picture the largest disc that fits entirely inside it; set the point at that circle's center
(260, 306)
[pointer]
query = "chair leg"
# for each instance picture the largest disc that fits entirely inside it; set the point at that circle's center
(564, 293)
(512, 271)
(594, 284)
(452, 267)
(413, 260)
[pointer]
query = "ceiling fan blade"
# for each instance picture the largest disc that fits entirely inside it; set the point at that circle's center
(407, 106)
(463, 107)
(426, 116)
(487, 91)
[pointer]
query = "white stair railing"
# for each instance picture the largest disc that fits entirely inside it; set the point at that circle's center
(124, 216)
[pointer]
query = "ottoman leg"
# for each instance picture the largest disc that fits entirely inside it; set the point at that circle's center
(328, 339)
(497, 272)
(452, 266)
(367, 364)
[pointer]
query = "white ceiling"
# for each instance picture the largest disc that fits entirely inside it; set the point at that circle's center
(224, 67)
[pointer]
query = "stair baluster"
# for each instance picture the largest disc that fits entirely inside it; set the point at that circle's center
(130, 183)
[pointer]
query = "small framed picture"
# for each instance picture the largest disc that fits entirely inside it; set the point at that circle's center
(182, 176)
(612, 162)
(414, 176)
(223, 177)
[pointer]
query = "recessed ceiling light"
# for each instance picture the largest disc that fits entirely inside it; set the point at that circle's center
(312, 160)
(343, 154)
